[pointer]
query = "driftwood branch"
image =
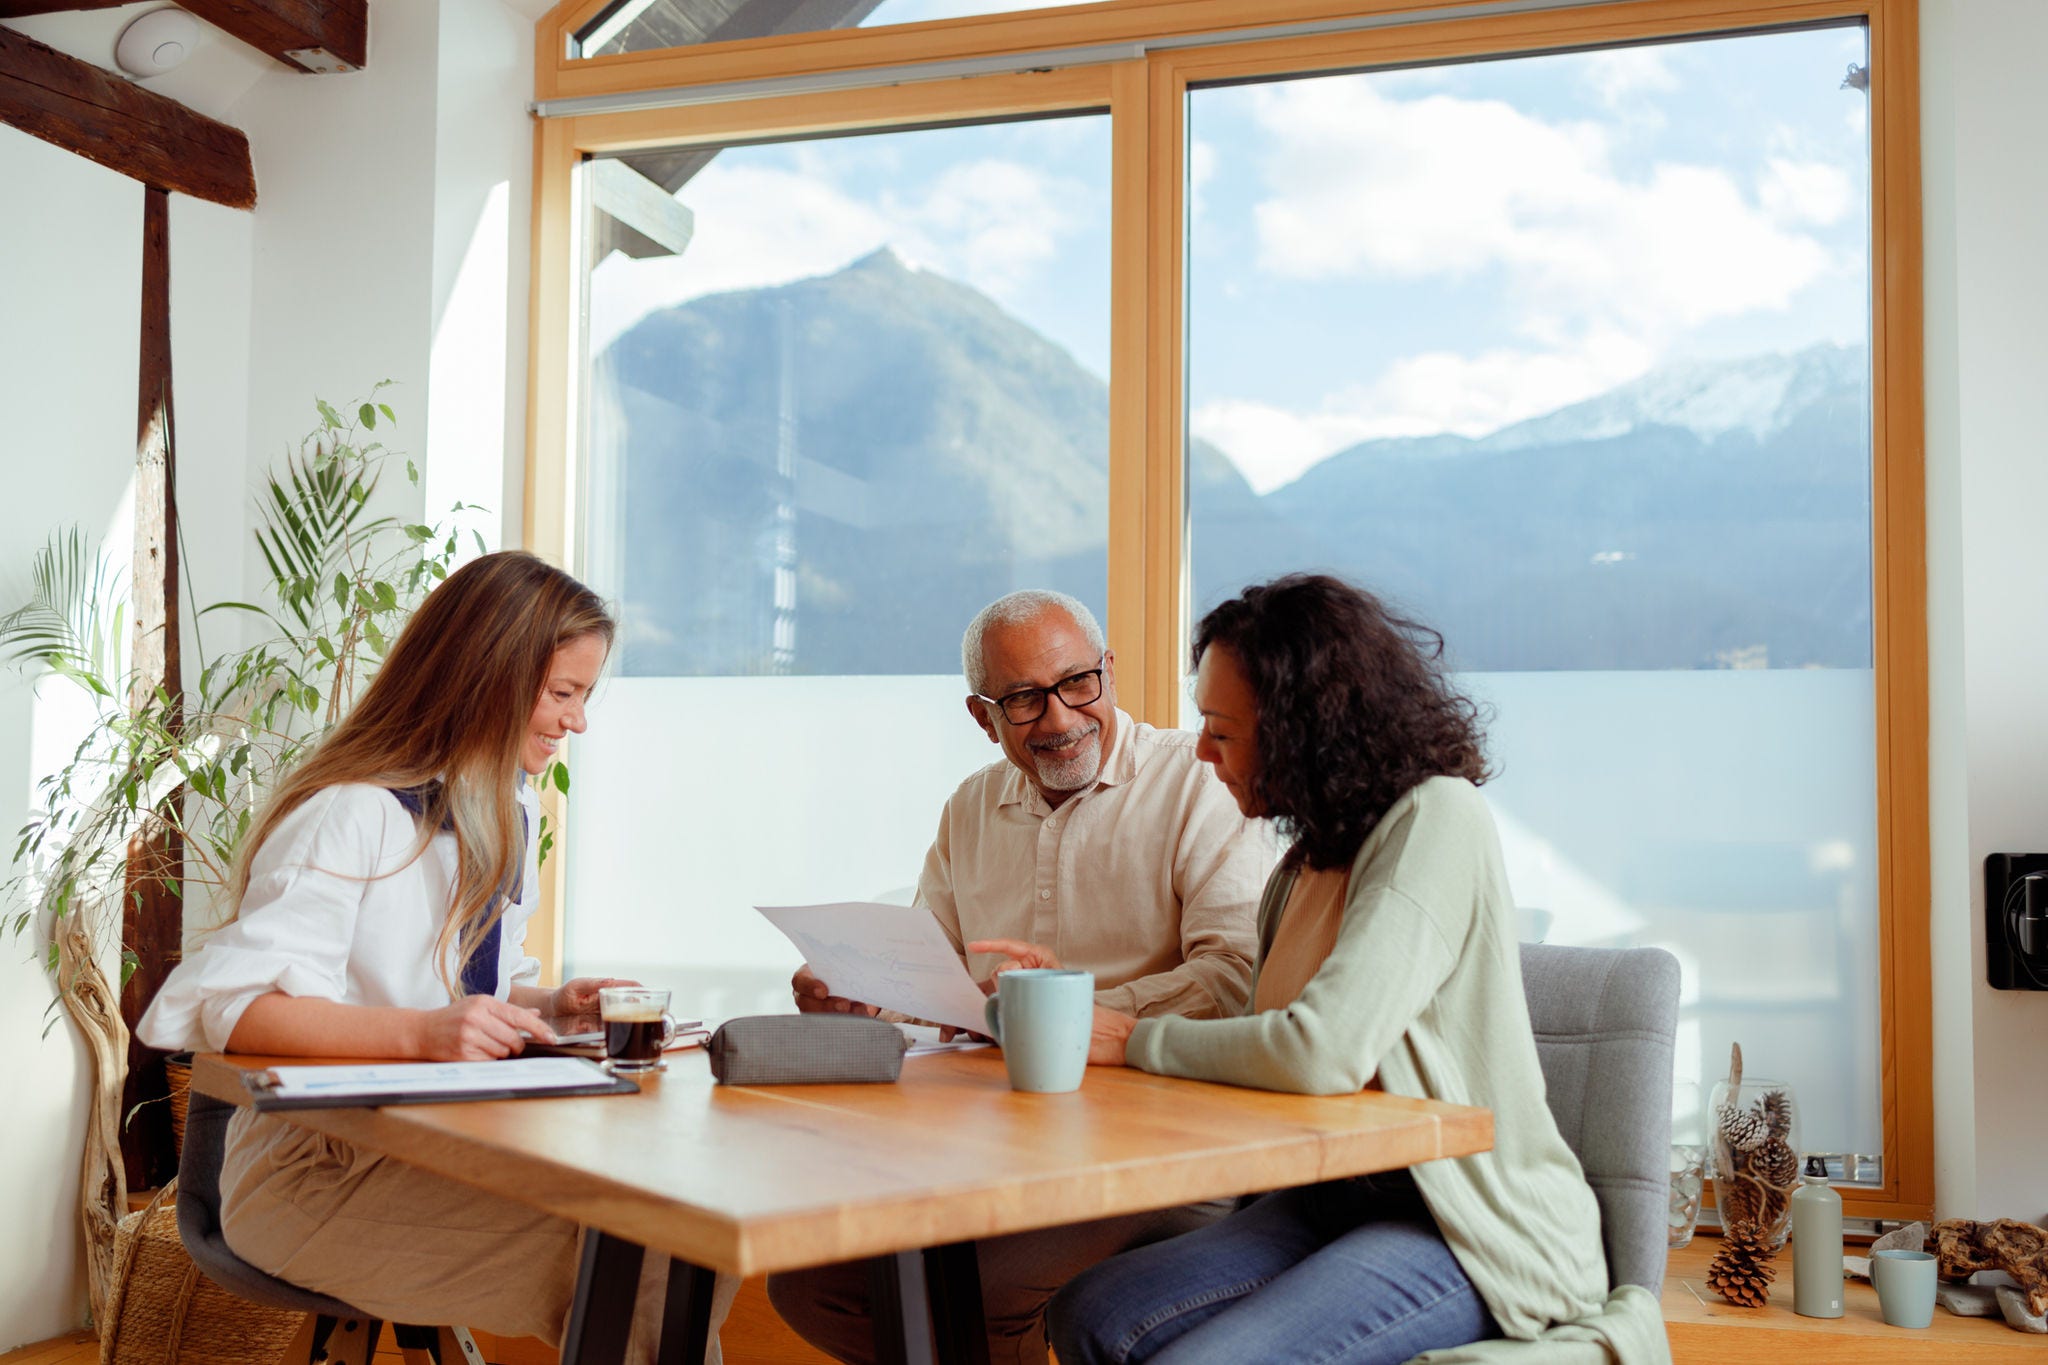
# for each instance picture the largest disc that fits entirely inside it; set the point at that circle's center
(95, 1007)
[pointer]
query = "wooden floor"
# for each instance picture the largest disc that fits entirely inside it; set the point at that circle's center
(753, 1335)
(1704, 1330)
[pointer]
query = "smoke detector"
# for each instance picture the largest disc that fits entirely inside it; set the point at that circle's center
(156, 42)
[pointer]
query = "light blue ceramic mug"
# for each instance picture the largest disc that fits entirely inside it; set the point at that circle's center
(1041, 1017)
(1905, 1286)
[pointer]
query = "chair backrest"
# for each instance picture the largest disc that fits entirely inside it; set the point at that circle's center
(206, 1141)
(1606, 1022)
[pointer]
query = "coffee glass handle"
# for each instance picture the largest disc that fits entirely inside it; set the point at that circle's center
(992, 1013)
(668, 1028)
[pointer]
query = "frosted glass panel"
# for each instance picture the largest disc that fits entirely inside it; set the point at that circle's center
(697, 799)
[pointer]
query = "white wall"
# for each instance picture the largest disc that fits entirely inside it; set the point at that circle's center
(70, 275)
(392, 208)
(1987, 478)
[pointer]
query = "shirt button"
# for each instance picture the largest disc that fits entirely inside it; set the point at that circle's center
(1045, 895)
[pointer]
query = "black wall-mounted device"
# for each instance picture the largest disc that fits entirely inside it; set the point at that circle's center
(2016, 921)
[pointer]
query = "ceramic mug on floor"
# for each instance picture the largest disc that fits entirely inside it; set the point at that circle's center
(1041, 1018)
(1905, 1287)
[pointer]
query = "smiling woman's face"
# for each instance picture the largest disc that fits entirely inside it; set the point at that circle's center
(1229, 740)
(572, 672)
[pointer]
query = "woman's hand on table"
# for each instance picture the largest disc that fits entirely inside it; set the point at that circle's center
(478, 1028)
(1108, 1037)
(579, 996)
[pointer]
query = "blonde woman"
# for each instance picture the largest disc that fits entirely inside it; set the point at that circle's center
(381, 903)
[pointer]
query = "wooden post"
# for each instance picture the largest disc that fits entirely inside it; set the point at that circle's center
(152, 919)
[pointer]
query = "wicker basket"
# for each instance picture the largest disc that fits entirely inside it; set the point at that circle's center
(163, 1310)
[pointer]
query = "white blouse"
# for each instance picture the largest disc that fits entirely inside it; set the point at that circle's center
(335, 911)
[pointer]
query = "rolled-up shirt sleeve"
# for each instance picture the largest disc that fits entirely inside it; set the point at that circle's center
(294, 929)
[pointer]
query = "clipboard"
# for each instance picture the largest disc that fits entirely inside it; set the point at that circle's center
(374, 1086)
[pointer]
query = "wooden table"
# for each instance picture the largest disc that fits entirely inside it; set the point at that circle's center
(748, 1180)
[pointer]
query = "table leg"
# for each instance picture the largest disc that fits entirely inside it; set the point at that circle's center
(901, 1305)
(686, 1315)
(953, 1273)
(607, 1287)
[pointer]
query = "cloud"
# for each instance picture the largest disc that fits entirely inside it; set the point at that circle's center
(1622, 77)
(1420, 395)
(1804, 191)
(991, 223)
(1599, 271)
(1360, 184)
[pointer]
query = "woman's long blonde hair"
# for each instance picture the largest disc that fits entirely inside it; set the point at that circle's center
(451, 706)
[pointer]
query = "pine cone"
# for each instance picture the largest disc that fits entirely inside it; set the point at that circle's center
(1744, 1130)
(1742, 1271)
(1777, 1165)
(1777, 1113)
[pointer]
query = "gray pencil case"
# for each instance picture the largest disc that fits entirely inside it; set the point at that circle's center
(806, 1049)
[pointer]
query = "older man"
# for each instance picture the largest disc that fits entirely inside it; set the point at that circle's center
(1098, 838)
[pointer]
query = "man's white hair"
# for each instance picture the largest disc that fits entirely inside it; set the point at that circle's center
(1012, 610)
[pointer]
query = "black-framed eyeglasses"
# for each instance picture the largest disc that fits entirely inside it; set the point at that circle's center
(1027, 704)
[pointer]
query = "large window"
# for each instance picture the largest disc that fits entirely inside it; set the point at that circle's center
(866, 397)
(1588, 336)
(1569, 357)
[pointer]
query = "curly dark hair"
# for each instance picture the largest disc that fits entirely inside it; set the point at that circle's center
(1354, 708)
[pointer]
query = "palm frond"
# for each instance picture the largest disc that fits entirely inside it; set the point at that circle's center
(74, 619)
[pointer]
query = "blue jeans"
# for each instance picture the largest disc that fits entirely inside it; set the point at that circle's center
(1352, 1271)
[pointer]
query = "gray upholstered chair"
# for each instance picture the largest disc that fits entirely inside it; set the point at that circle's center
(340, 1333)
(1606, 1021)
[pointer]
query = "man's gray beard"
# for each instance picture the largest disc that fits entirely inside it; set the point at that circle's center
(1076, 772)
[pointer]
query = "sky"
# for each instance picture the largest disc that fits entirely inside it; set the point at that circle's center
(1396, 253)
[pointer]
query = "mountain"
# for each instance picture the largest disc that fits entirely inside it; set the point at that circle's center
(831, 476)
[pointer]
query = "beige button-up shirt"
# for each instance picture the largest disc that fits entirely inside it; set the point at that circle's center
(1150, 879)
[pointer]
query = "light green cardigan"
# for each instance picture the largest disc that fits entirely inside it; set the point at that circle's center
(1423, 989)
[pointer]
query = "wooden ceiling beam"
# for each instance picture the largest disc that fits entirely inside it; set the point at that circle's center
(125, 128)
(309, 35)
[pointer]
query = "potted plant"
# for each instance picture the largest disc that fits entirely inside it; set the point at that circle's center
(186, 770)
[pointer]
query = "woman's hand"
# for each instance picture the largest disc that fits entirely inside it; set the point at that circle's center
(580, 995)
(1108, 1036)
(1016, 954)
(477, 1028)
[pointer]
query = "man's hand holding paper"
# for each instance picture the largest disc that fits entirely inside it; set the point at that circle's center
(892, 956)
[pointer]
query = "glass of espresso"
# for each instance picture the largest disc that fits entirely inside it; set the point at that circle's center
(637, 1025)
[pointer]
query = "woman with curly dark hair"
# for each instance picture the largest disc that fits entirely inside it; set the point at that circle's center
(1387, 959)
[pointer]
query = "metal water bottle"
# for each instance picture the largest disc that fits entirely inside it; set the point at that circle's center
(1816, 1244)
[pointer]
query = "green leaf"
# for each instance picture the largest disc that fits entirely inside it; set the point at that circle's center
(368, 413)
(481, 548)
(412, 471)
(561, 776)
(341, 590)
(387, 598)
(420, 534)
(385, 408)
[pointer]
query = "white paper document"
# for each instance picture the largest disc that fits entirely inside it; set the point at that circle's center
(339, 1083)
(895, 956)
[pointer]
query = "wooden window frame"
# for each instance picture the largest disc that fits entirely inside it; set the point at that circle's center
(1146, 98)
